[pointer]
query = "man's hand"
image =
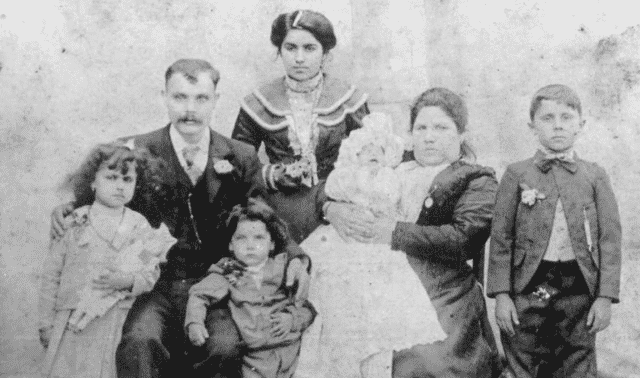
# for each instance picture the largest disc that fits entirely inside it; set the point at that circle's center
(113, 279)
(599, 315)
(350, 221)
(506, 314)
(281, 324)
(197, 334)
(59, 224)
(45, 336)
(297, 273)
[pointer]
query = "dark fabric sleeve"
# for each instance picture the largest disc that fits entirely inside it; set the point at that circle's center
(609, 241)
(455, 242)
(499, 274)
(247, 130)
(354, 120)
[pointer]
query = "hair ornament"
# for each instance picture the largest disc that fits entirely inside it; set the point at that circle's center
(297, 19)
(130, 144)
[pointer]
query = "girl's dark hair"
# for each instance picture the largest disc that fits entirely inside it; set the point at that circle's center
(116, 155)
(257, 210)
(450, 103)
(314, 22)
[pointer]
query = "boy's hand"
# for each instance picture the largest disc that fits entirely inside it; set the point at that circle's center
(599, 315)
(59, 224)
(281, 324)
(197, 334)
(45, 336)
(297, 272)
(506, 314)
(113, 279)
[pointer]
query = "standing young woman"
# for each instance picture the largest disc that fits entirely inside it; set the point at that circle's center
(301, 118)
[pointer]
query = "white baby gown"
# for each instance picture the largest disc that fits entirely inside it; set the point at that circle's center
(369, 298)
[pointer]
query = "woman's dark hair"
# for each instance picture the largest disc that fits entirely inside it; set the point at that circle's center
(450, 103)
(117, 156)
(313, 22)
(257, 210)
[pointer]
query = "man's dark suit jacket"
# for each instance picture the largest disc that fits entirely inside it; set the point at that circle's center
(187, 259)
(520, 233)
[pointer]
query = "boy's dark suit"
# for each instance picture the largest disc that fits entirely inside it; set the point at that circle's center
(520, 237)
(153, 342)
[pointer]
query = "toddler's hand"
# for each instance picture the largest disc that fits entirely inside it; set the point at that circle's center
(113, 279)
(281, 324)
(506, 314)
(197, 334)
(45, 336)
(599, 315)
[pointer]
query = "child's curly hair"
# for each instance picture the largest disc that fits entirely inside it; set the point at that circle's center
(258, 210)
(117, 155)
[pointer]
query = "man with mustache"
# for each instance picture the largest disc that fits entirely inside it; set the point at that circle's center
(207, 174)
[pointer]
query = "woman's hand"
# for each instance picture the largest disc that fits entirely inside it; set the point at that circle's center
(352, 222)
(382, 230)
(59, 224)
(113, 279)
(506, 314)
(197, 334)
(281, 324)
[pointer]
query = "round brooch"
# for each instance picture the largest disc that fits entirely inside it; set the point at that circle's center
(428, 202)
(222, 167)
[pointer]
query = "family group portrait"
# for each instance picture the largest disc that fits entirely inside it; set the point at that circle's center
(319, 189)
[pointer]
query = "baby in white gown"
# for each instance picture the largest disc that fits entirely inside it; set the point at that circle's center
(369, 297)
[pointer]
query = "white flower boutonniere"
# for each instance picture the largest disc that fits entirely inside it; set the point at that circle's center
(223, 167)
(529, 196)
(428, 202)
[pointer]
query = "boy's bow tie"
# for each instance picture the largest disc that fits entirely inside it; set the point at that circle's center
(563, 161)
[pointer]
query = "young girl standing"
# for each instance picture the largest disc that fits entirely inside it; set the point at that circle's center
(109, 255)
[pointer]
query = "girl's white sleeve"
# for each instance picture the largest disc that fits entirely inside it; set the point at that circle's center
(50, 280)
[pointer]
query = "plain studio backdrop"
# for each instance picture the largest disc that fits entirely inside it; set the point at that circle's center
(77, 72)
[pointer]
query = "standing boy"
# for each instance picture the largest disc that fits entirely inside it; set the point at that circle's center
(554, 263)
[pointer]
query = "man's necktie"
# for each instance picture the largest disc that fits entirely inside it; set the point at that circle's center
(189, 153)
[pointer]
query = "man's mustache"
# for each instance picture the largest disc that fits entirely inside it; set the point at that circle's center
(189, 119)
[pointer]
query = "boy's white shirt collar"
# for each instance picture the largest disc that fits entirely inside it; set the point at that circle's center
(568, 154)
(179, 144)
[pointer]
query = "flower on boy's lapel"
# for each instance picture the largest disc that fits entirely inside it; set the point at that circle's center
(529, 196)
(223, 166)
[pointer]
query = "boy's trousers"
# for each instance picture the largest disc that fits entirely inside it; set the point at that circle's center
(553, 311)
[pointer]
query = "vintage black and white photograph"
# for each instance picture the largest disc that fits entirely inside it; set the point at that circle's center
(319, 189)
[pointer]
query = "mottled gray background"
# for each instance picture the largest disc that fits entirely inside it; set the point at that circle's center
(77, 72)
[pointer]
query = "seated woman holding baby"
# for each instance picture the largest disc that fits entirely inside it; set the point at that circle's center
(399, 297)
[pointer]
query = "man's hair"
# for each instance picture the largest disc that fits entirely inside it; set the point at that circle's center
(190, 68)
(555, 92)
